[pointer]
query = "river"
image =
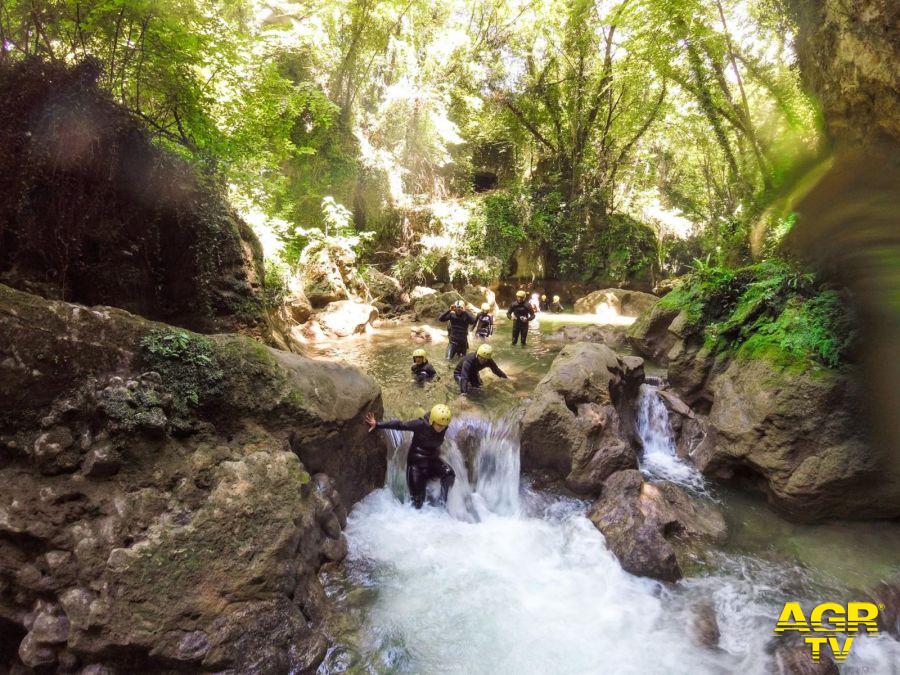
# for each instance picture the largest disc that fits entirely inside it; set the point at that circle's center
(509, 579)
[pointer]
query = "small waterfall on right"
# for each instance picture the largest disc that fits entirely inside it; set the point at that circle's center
(659, 458)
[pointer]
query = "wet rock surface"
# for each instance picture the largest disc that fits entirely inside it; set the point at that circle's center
(579, 423)
(654, 528)
(167, 503)
(796, 431)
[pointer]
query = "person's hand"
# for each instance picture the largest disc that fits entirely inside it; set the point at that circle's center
(370, 420)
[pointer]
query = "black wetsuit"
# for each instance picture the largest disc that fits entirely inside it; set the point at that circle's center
(484, 325)
(423, 371)
(466, 373)
(557, 308)
(458, 330)
(424, 459)
(523, 313)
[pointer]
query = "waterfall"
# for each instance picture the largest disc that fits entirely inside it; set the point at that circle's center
(535, 590)
(493, 446)
(659, 457)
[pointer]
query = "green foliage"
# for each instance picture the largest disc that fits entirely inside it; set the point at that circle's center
(188, 365)
(771, 310)
(275, 284)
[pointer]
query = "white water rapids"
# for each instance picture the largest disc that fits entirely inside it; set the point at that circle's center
(509, 580)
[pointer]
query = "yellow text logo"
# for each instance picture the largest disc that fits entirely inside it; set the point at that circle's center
(825, 622)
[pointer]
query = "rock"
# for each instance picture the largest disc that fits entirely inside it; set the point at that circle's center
(346, 317)
(298, 307)
(801, 434)
(887, 596)
(201, 552)
(612, 336)
(577, 423)
(792, 657)
(478, 295)
(654, 529)
(619, 300)
(420, 292)
(650, 336)
(383, 287)
(674, 404)
(101, 461)
(54, 451)
(325, 273)
(151, 235)
(704, 625)
(424, 333)
(430, 307)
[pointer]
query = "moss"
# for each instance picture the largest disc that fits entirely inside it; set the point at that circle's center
(188, 365)
(769, 310)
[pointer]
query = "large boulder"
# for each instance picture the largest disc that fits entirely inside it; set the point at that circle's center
(384, 288)
(799, 433)
(619, 300)
(612, 336)
(432, 305)
(323, 275)
(654, 528)
(578, 426)
(168, 498)
(346, 317)
(93, 211)
(650, 336)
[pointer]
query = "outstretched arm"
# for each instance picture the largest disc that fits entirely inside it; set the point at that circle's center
(393, 424)
(496, 369)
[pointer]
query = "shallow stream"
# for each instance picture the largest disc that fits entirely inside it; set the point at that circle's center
(509, 579)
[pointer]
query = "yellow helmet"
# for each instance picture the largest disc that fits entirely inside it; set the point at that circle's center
(420, 352)
(555, 298)
(521, 294)
(485, 307)
(485, 351)
(440, 414)
(543, 298)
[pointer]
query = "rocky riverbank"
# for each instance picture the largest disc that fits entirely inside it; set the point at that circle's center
(168, 497)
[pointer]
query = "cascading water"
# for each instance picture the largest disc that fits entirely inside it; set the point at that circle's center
(659, 459)
(531, 588)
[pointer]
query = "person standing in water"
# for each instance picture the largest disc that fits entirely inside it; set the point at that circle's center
(423, 462)
(557, 307)
(459, 321)
(484, 322)
(421, 369)
(466, 373)
(523, 313)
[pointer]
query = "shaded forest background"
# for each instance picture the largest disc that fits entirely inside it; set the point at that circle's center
(467, 140)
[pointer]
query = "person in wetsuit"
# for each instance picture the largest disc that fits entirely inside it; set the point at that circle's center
(421, 369)
(466, 373)
(522, 311)
(458, 328)
(557, 307)
(423, 461)
(484, 322)
(543, 306)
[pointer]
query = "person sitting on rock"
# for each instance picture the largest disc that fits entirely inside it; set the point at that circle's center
(459, 320)
(484, 322)
(423, 462)
(557, 307)
(466, 373)
(524, 314)
(421, 369)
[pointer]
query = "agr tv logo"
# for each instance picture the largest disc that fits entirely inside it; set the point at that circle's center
(825, 622)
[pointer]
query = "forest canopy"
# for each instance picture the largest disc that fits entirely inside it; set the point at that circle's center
(610, 141)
